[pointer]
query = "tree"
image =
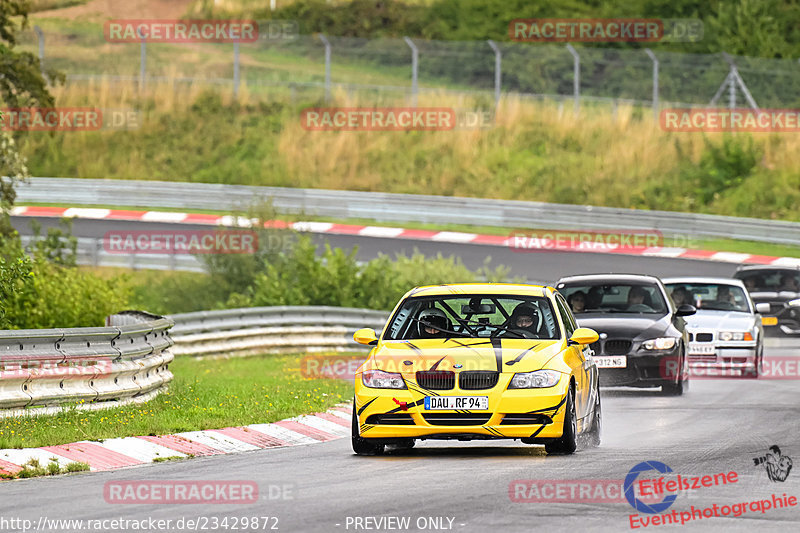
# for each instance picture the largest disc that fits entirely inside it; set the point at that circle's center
(22, 84)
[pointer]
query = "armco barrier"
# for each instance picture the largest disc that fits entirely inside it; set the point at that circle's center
(126, 360)
(388, 207)
(234, 332)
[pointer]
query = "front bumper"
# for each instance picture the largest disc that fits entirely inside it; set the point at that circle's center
(643, 370)
(515, 413)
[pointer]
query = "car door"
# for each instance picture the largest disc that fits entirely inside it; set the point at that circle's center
(576, 359)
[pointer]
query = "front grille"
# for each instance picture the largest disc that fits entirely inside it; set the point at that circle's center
(397, 419)
(704, 337)
(436, 379)
(524, 419)
(476, 380)
(705, 358)
(595, 347)
(618, 347)
(456, 419)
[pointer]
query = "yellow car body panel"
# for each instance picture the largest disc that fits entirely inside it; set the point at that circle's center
(376, 409)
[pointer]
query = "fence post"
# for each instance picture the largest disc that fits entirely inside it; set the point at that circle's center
(142, 60)
(653, 58)
(236, 69)
(327, 44)
(40, 38)
(498, 61)
(414, 67)
(576, 76)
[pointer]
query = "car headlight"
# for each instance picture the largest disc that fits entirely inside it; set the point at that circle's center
(793, 303)
(661, 343)
(539, 379)
(735, 336)
(378, 379)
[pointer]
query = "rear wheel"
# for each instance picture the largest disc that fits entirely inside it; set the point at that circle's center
(568, 442)
(361, 445)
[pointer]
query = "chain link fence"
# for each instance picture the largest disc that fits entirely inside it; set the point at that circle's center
(314, 66)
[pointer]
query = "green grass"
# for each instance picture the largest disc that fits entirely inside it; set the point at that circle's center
(205, 394)
(44, 5)
(33, 468)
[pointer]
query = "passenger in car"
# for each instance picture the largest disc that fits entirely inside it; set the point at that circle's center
(789, 283)
(577, 301)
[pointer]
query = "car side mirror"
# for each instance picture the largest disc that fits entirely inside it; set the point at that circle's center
(365, 336)
(762, 308)
(685, 310)
(583, 336)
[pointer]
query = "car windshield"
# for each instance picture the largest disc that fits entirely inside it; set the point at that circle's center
(770, 280)
(709, 296)
(604, 297)
(451, 316)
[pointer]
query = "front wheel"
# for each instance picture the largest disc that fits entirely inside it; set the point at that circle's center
(568, 442)
(597, 423)
(361, 445)
(681, 386)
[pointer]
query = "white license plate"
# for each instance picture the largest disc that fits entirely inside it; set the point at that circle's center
(611, 361)
(449, 403)
(701, 349)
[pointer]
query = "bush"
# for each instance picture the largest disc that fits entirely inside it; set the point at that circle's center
(336, 278)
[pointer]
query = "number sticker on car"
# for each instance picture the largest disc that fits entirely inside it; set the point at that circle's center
(479, 403)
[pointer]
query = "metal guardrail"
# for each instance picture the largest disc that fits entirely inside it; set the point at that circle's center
(126, 360)
(235, 332)
(397, 208)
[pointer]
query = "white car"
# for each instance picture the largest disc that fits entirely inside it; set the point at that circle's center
(725, 335)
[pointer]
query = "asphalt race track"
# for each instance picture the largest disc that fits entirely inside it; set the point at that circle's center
(719, 426)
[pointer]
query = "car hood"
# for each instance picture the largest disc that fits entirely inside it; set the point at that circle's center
(505, 355)
(627, 326)
(720, 320)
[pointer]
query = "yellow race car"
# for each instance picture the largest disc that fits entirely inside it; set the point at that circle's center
(478, 361)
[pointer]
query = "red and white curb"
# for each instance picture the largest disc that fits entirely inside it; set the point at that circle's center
(530, 245)
(126, 452)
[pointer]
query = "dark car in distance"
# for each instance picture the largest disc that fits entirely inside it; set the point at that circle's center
(643, 338)
(779, 287)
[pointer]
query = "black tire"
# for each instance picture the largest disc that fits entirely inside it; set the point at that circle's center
(568, 442)
(361, 445)
(679, 387)
(753, 374)
(593, 437)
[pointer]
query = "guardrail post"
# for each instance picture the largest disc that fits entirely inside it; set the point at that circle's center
(414, 69)
(236, 69)
(654, 59)
(498, 60)
(576, 76)
(40, 38)
(142, 60)
(327, 44)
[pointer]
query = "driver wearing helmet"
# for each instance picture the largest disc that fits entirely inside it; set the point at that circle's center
(431, 322)
(525, 320)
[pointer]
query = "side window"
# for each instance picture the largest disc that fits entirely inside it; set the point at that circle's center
(569, 322)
